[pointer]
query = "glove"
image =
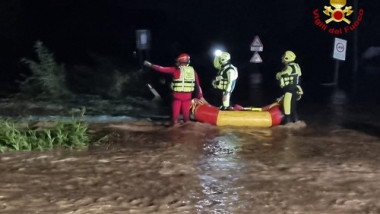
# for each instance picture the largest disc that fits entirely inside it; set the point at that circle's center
(299, 92)
(202, 101)
(147, 64)
(214, 83)
(278, 100)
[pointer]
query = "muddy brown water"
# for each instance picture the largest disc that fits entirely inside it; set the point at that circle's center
(330, 166)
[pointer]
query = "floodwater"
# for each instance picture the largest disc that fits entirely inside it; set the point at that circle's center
(330, 166)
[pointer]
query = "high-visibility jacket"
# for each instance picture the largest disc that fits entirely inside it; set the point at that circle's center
(186, 80)
(225, 76)
(176, 74)
(290, 75)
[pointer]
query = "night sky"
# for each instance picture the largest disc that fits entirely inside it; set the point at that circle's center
(73, 29)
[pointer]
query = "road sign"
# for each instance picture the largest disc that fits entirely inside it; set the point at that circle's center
(256, 58)
(340, 47)
(257, 45)
(143, 39)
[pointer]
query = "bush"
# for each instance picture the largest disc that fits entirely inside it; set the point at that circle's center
(48, 77)
(109, 78)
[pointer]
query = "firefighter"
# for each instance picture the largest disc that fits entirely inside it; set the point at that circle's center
(289, 81)
(185, 81)
(226, 78)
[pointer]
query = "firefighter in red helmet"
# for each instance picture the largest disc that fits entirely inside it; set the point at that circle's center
(185, 82)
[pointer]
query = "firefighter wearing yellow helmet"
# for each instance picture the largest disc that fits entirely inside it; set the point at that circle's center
(289, 80)
(226, 78)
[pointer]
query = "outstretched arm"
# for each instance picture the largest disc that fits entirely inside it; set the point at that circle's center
(168, 70)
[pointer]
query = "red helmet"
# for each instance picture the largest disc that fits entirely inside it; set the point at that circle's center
(183, 59)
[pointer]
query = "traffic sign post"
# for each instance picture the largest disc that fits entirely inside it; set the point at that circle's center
(256, 46)
(143, 40)
(339, 54)
(340, 47)
(256, 58)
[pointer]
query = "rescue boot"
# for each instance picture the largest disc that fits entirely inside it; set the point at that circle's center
(287, 119)
(223, 108)
(295, 117)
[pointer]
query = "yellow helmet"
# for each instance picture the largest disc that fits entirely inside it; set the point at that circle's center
(224, 58)
(289, 56)
(217, 64)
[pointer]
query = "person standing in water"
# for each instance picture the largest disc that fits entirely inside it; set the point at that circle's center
(226, 78)
(289, 81)
(185, 82)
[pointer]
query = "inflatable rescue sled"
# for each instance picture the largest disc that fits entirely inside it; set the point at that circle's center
(267, 116)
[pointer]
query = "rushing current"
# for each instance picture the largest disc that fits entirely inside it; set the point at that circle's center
(331, 165)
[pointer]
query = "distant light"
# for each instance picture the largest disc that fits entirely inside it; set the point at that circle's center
(218, 52)
(216, 49)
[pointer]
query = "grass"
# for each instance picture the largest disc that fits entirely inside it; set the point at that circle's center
(18, 135)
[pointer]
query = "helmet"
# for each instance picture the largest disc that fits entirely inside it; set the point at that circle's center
(224, 58)
(217, 64)
(289, 56)
(183, 59)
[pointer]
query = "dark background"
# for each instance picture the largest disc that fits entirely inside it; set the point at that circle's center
(75, 29)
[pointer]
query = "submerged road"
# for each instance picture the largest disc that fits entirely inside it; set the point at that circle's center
(331, 166)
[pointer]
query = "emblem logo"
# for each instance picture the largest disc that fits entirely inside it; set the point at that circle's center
(339, 13)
